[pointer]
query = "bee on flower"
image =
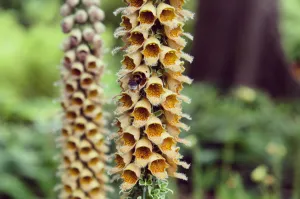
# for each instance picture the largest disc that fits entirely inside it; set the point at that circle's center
(149, 108)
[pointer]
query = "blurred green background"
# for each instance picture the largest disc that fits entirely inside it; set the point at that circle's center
(245, 145)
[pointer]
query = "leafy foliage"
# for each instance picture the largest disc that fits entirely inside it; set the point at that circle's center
(150, 187)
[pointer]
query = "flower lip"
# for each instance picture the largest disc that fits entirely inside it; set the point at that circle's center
(147, 17)
(171, 101)
(128, 139)
(130, 176)
(167, 15)
(155, 90)
(125, 100)
(136, 38)
(143, 153)
(119, 161)
(141, 113)
(170, 58)
(126, 23)
(154, 130)
(128, 62)
(151, 50)
(158, 166)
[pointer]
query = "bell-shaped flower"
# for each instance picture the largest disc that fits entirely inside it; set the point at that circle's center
(154, 90)
(155, 130)
(80, 126)
(158, 166)
(143, 151)
(131, 174)
(167, 15)
(151, 51)
(87, 181)
(141, 113)
(129, 21)
(171, 102)
(134, 5)
(174, 120)
(174, 85)
(131, 61)
(170, 59)
(126, 102)
(168, 147)
(128, 139)
(179, 77)
(123, 121)
(147, 15)
(121, 160)
(136, 39)
(75, 170)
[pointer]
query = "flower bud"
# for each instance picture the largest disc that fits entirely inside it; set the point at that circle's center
(72, 3)
(97, 41)
(66, 45)
(82, 52)
(65, 10)
(99, 27)
(67, 24)
(82, 138)
(96, 14)
(75, 37)
(89, 3)
(81, 16)
(88, 34)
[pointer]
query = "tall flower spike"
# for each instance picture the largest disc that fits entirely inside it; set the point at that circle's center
(83, 166)
(150, 105)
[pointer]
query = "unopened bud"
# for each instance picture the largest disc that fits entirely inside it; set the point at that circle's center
(96, 14)
(82, 52)
(81, 16)
(97, 41)
(69, 58)
(73, 3)
(66, 45)
(89, 3)
(99, 27)
(76, 37)
(98, 53)
(67, 24)
(88, 34)
(65, 10)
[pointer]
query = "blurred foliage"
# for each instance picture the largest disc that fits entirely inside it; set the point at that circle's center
(231, 135)
(290, 28)
(239, 132)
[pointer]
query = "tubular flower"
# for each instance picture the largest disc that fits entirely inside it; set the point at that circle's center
(83, 145)
(149, 108)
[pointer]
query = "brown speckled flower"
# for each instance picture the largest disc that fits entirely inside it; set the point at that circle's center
(151, 78)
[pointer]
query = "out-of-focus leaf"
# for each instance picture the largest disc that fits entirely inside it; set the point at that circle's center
(14, 187)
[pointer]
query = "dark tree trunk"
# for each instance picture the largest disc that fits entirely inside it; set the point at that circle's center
(237, 42)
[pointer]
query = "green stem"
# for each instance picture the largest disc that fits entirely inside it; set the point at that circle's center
(144, 192)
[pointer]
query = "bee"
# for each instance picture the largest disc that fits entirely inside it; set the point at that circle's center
(136, 81)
